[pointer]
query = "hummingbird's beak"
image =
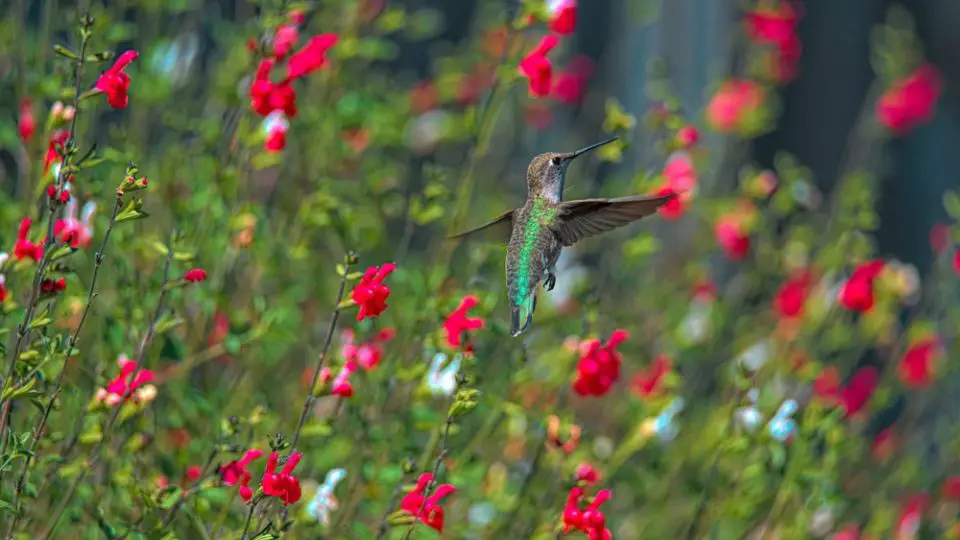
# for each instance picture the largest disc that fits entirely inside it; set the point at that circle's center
(573, 155)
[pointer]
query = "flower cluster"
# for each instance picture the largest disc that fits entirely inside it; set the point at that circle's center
(278, 100)
(599, 365)
(591, 521)
(425, 507)
(570, 86)
(126, 385)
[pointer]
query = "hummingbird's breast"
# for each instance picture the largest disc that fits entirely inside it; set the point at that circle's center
(533, 249)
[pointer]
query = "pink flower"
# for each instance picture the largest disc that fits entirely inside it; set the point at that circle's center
(458, 323)
(687, 136)
(777, 28)
(370, 293)
(538, 69)
(732, 239)
(126, 385)
(427, 508)
(26, 125)
(680, 173)
(115, 83)
(571, 85)
(284, 40)
(910, 102)
(735, 101)
(282, 485)
(366, 355)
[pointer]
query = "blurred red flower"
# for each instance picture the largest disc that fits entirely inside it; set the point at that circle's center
(58, 138)
(649, 381)
(563, 16)
(537, 68)
(24, 248)
(115, 83)
(910, 102)
(26, 125)
(311, 56)
(675, 207)
(733, 102)
(370, 293)
(779, 29)
(917, 367)
(458, 323)
(284, 40)
(571, 84)
(858, 390)
(427, 508)
(680, 173)
(791, 298)
(951, 488)
(857, 294)
(732, 239)
(366, 355)
(599, 365)
(195, 275)
(267, 96)
(687, 136)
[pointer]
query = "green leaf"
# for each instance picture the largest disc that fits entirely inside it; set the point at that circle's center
(951, 202)
(317, 429)
(41, 322)
(63, 251)
(17, 392)
(64, 52)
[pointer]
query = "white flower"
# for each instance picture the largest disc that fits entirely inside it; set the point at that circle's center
(443, 380)
(323, 501)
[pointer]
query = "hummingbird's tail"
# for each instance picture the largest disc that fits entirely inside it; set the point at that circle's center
(521, 313)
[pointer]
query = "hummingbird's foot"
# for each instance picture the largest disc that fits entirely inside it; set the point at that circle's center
(550, 282)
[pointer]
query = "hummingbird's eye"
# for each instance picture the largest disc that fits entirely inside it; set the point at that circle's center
(555, 161)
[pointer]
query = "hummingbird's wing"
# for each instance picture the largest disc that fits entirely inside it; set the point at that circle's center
(497, 230)
(589, 217)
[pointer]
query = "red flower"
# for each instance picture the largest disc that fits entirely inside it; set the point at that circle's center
(276, 140)
(458, 323)
(859, 389)
(857, 294)
(909, 102)
(195, 275)
(70, 229)
(734, 101)
(563, 16)
(3, 289)
(284, 39)
(827, 384)
(951, 488)
(777, 28)
(284, 485)
(26, 125)
(916, 368)
(115, 83)
(236, 472)
(24, 248)
(675, 207)
(591, 520)
(311, 57)
(687, 136)
(956, 261)
(366, 355)
(883, 445)
(424, 97)
(911, 514)
(587, 473)
(939, 237)
(341, 384)
(538, 69)
(53, 286)
(599, 365)
(732, 239)
(58, 138)
(266, 96)
(571, 85)
(792, 295)
(427, 509)
(371, 294)
(125, 385)
(193, 472)
(650, 381)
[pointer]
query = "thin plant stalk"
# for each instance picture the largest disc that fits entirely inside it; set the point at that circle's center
(71, 348)
(246, 525)
(436, 469)
(141, 353)
(322, 358)
(24, 328)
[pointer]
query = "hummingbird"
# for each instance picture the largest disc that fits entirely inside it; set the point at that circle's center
(538, 231)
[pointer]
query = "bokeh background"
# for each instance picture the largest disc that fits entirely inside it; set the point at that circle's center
(420, 126)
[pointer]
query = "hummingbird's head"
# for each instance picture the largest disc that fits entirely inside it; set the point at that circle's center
(546, 172)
